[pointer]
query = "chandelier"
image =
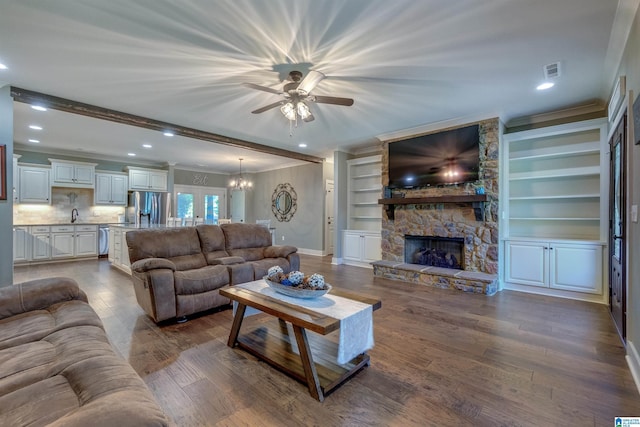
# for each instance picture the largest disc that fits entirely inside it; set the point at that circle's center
(238, 182)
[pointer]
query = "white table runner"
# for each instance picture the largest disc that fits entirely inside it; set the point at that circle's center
(356, 318)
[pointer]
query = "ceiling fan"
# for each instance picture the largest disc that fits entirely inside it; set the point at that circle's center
(297, 92)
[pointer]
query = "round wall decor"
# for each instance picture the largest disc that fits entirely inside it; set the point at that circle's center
(284, 202)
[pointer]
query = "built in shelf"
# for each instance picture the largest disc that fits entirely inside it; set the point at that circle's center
(477, 200)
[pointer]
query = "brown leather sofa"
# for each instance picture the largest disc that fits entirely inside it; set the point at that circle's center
(179, 271)
(57, 367)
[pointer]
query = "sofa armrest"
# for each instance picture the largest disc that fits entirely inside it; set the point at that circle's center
(38, 294)
(279, 251)
(147, 264)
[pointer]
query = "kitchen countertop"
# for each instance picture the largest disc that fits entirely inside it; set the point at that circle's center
(69, 223)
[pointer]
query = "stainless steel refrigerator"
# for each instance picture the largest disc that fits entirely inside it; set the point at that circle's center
(148, 208)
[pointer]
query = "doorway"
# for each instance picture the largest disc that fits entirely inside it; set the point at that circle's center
(200, 202)
(617, 228)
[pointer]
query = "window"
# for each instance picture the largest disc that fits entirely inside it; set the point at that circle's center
(200, 202)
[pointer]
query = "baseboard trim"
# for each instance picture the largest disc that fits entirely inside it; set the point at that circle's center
(313, 252)
(633, 360)
(336, 261)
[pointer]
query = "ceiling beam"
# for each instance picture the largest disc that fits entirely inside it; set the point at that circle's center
(69, 106)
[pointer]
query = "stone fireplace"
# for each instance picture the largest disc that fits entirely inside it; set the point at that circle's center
(447, 213)
(432, 251)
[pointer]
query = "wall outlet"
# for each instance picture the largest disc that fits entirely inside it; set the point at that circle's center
(634, 213)
(283, 238)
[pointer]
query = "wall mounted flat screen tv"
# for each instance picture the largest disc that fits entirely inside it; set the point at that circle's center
(449, 157)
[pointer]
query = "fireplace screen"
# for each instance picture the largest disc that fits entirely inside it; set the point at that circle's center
(434, 251)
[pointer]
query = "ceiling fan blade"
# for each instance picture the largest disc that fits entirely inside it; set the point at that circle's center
(333, 100)
(310, 81)
(309, 118)
(263, 88)
(267, 107)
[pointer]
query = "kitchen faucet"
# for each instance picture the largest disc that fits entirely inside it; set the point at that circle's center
(74, 215)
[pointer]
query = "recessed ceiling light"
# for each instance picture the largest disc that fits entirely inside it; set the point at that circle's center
(545, 86)
(147, 145)
(3, 67)
(131, 154)
(38, 108)
(168, 133)
(302, 145)
(35, 127)
(35, 141)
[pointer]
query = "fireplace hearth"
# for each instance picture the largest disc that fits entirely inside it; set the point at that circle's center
(444, 252)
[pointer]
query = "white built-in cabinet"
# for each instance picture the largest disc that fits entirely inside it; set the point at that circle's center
(555, 209)
(111, 189)
(555, 265)
(72, 174)
(361, 241)
(118, 249)
(34, 184)
(361, 247)
(142, 179)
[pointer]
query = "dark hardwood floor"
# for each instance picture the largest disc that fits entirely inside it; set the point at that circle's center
(441, 358)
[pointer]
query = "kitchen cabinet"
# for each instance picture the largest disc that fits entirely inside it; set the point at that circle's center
(361, 247)
(86, 240)
(20, 244)
(34, 184)
(118, 250)
(40, 242)
(72, 174)
(62, 241)
(560, 265)
(111, 189)
(142, 179)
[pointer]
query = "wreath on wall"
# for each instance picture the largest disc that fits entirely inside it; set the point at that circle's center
(284, 202)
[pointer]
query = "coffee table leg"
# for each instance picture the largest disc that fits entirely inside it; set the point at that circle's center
(307, 363)
(237, 322)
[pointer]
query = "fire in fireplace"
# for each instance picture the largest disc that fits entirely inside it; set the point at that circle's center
(446, 252)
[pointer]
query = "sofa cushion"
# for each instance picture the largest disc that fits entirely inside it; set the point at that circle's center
(201, 280)
(179, 245)
(245, 236)
(212, 242)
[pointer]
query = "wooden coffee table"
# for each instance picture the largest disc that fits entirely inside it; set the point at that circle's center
(270, 341)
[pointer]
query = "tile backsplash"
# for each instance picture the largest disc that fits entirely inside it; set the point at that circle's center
(63, 200)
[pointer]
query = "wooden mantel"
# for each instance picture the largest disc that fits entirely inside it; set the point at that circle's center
(477, 200)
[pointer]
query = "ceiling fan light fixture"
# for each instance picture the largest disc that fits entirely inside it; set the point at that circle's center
(289, 111)
(303, 110)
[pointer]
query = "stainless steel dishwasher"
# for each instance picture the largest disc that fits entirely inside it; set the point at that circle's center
(103, 240)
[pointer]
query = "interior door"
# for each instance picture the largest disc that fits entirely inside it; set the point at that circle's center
(329, 229)
(617, 229)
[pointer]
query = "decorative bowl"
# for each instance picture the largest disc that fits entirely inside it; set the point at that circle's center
(294, 291)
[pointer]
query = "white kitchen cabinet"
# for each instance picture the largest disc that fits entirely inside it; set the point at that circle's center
(361, 247)
(566, 266)
(86, 240)
(143, 179)
(40, 242)
(72, 174)
(34, 185)
(118, 250)
(62, 241)
(20, 244)
(111, 189)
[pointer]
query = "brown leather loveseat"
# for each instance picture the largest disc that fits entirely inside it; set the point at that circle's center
(179, 271)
